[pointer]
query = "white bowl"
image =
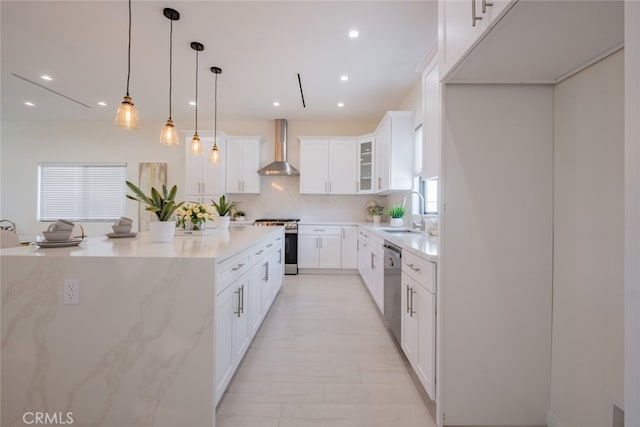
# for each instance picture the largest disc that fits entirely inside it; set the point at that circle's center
(57, 235)
(122, 228)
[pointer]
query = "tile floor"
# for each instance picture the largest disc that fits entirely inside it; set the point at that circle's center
(323, 358)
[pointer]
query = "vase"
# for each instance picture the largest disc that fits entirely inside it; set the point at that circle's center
(162, 231)
(397, 222)
(223, 222)
(376, 219)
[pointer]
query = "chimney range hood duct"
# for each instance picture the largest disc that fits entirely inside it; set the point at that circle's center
(280, 167)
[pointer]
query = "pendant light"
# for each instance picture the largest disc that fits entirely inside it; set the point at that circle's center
(127, 114)
(196, 145)
(169, 136)
(214, 157)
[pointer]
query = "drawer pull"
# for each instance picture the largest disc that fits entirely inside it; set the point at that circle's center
(260, 251)
(413, 268)
(485, 3)
(269, 245)
(238, 267)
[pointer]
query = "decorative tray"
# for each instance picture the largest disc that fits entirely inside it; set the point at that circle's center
(120, 235)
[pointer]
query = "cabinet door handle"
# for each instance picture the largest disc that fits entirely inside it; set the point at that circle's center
(407, 295)
(412, 312)
(242, 299)
(238, 311)
(266, 272)
(379, 183)
(372, 263)
(320, 238)
(474, 18)
(329, 186)
(343, 236)
(280, 256)
(485, 3)
(413, 268)
(204, 190)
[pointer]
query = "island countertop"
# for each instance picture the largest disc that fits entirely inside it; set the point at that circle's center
(214, 245)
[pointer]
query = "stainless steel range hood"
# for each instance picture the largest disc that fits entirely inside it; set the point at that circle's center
(280, 167)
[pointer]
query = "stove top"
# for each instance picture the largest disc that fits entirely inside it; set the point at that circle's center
(280, 220)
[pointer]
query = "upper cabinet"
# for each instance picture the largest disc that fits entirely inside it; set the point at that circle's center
(462, 23)
(394, 152)
(243, 162)
(328, 166)
(204, 180)
(526, 41)
(366, 163)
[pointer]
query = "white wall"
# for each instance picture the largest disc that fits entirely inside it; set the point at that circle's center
(24, 144)
(632, 213)
(496, 254)
(588, 285)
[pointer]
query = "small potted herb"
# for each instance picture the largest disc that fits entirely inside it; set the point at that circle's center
(239, 215)
(375, 211)
(397, 214)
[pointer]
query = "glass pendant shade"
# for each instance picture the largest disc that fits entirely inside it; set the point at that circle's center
(196, 146)
(127, 114)
(214, 156)
(169, 136)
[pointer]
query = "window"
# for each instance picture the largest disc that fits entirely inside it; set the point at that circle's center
(417, 151)
(81, 191)
(430, 192)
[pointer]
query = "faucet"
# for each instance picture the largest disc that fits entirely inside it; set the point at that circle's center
(422, 225)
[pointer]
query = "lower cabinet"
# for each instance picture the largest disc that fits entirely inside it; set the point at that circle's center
(247, 284)
(349, 246)
(319, 246)
(370, 265)
(419, 322)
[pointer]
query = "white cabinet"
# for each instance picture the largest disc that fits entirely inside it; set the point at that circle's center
(349, 246)
(246, 286)
(432, 123)
(366, 164)
(328, 166)
(243, 162)
(204, 180)
(459, 29)
(419, 318)
(370, 264)
(394, 152)
(319, 246)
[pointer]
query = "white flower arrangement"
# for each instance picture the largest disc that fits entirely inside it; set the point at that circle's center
(192, 216)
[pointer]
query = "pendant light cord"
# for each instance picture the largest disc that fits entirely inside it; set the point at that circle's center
(197, 91)
(129, 51)
(170, 65)
(215, 113)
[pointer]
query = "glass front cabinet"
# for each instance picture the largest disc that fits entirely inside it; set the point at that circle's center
(366, 148)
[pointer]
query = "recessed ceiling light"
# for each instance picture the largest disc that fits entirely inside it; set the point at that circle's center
(192, 103)
(340, 104)
(102, 104)
(276, 104)
(344, 78)
(46, 77)
(30, 104)
(353, 34)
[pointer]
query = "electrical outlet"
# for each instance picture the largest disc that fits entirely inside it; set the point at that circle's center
(71, 291)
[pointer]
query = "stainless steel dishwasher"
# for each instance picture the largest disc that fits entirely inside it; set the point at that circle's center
(392, 286)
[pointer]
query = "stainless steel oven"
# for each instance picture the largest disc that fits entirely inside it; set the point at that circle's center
(290, 240)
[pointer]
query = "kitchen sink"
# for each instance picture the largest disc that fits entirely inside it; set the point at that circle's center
(400, 230)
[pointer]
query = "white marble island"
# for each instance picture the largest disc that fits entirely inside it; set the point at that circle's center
(139, 348)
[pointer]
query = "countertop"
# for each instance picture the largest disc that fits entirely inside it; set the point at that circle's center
(421, 244)
(219, 243)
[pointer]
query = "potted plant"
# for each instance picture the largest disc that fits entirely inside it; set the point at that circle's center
(224, 208)
(239, 215)
(376, 211)
(396, 213)
(163, 205)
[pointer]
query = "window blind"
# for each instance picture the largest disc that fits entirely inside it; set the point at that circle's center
(81, 191)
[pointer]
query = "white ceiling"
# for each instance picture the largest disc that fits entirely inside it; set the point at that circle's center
(260, 46)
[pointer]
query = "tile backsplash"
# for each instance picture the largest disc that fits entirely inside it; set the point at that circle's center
(281, 198)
